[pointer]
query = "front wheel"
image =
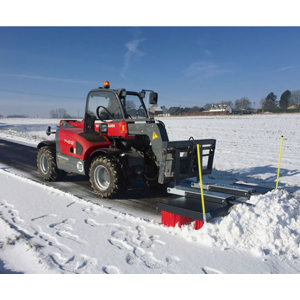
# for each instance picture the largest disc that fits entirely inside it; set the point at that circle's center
(107, 177)
(46, 163)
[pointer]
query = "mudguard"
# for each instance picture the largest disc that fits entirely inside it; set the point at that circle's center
(107, 151)
(46, 143)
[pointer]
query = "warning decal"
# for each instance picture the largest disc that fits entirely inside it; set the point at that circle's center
(154, 136)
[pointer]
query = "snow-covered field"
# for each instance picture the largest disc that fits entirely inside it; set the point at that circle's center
(44, 230)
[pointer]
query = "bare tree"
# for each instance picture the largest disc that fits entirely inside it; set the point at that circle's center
(243, 103)
(53, 114)
(59, 113)
(207, 106)
(130, 104)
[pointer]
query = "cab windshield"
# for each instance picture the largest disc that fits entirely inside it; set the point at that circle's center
(105, 106)
(134, 107)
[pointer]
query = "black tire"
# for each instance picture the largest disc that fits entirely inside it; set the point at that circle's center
(46, 163)
(109, 176)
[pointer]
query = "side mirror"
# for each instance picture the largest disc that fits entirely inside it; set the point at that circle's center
(153, 98)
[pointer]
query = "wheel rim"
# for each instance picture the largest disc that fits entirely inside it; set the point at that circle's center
(102, 177)
(44, 164)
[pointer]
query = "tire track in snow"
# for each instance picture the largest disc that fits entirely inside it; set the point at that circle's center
(110, 270)
(64, 258)
(208, 270)
(13, 214)
(78, 264)
(138, 243)
(63, 230)
(46, 239)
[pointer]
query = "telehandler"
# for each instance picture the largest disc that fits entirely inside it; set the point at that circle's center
(117, 140)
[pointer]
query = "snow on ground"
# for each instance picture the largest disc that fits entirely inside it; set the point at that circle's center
(28, 131)
(247, 146)
(61, 233)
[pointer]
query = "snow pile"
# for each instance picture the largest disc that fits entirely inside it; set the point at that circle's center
(271, 227)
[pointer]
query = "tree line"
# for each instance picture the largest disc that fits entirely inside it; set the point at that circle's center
(59, 113)
(287, 99)
(14, 116)
(240, 104)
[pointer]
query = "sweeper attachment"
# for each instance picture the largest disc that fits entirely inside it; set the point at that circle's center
(219, 200)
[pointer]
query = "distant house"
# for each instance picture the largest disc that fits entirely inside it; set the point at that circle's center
(295, 106)
(174, 110)
(164, 109)
(156, 111)
(221, 107)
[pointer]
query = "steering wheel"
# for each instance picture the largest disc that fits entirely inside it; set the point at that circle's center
(99, 114)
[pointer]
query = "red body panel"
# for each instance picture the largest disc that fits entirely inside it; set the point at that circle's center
(74, 123)
(118, 129)
(70, 135)
(68, 138)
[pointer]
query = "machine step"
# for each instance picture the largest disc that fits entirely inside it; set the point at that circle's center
(237, 190)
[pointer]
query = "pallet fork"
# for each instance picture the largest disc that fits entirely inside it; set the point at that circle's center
(218, 198)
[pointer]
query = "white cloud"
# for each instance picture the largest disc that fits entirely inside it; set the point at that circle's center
(132, 51)
(208, 52)
(286, 68)
(204, 69)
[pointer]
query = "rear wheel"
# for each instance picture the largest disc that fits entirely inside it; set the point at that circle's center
(108, 176)
(46, 163)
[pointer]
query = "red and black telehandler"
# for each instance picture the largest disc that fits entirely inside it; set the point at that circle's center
(118, 140)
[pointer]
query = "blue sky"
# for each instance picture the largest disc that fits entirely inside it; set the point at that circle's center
(44, 68)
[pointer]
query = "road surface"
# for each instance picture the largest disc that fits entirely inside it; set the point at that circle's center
(139, 200)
